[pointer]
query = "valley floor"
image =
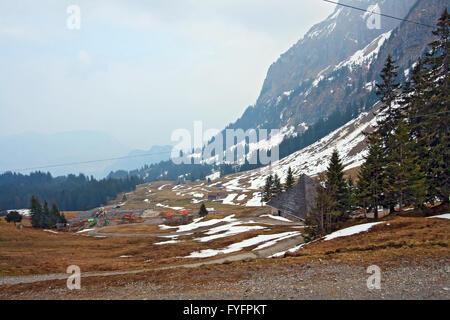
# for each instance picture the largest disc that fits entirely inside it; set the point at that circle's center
(235, 253)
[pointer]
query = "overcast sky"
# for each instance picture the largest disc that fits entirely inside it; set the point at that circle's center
(140, 69)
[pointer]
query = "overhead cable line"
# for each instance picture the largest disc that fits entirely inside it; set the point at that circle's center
(378, 13)
(86, 162)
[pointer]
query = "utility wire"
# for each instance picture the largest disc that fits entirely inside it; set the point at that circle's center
(380, 14)
(87, 162)
(150, 154)
(159, 153)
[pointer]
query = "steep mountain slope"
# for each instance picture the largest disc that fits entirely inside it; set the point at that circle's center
(344, 32)
(333, 67)
(405, 43)
(332, 87)
(349, 140)
(335, 86)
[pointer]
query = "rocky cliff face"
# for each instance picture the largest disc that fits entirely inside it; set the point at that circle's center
(336, 63)
(338, 37)
(405, 43)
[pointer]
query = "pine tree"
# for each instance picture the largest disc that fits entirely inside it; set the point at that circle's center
(388, 91)
(35, 212)
(277, 189)
(323, 217)
(336, 185)
(57, 217)
(267, 190)
(371, 175)
(428, 115)
(404, 181)
(47, 220)
(203, 212)
(289, 179)
(437, 112)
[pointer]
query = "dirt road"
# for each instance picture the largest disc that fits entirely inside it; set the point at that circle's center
(426, 280)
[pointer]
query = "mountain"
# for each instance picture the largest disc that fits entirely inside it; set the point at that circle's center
(405, 43)
(139, 158)
(328, 77)
(38, 150)
(312, 160)
(334, 65)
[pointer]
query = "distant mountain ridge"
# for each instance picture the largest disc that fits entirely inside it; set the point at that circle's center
(30, 150)
(338, 89)
(139, 158)
(49, 151)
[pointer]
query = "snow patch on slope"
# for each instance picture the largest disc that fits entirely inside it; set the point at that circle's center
(367, 55)
(348, 140)
(351, 230)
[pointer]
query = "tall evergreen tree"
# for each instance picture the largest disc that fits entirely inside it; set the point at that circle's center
(409, 150)
(47, 219)
(388, 91)
(429, 113)
(371, 176)
(323, 217)
(267, 190)
(42, 216)
(35, 211)
(438, 112)
(56, 215)
(404, 181)
(277, 189)
(336, 185)
(289, 179)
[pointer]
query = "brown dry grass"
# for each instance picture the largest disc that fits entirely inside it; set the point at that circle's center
(205, 275)
(31, 251)
(34, 251)
(134, 228)
(169, 197)
(70, 214)
(411, 238)
(405, 242)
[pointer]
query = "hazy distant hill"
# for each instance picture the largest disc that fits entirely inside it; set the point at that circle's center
(35, 150)
(138, 158)
(31, 150)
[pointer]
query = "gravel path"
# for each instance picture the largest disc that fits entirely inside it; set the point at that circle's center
(428, 280)
(334, 281)
(60, 276)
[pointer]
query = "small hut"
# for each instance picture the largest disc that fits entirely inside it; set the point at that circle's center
(298, 201)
